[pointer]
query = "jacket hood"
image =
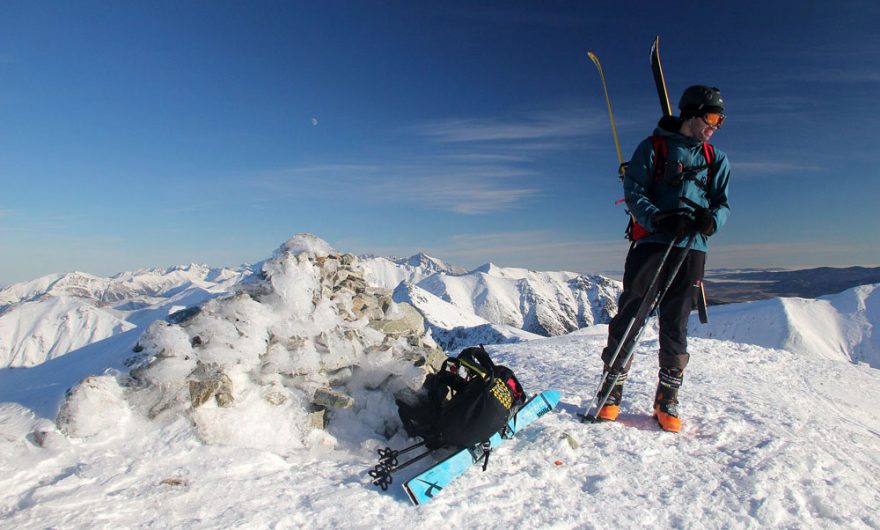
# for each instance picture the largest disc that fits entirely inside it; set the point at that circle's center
(669, 127)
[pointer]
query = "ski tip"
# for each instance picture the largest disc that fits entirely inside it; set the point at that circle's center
(552, 397)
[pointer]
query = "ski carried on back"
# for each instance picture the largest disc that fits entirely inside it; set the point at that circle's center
(659, 80)
(424, 486)
(663, 95)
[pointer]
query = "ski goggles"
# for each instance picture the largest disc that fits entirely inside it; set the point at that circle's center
(713, 119)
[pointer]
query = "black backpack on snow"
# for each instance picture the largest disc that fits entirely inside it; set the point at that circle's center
(465, 403)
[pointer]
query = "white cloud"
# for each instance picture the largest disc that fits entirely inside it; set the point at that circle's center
(467, 166)
(465, 193)
(464, 188)
(532, 126)
(771, 167)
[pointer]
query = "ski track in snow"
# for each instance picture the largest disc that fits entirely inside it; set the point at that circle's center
(771, 439)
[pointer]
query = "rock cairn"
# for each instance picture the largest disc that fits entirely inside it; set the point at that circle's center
(306, 336)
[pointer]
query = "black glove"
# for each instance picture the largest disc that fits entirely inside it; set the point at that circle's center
(677, 223)
(704, 221)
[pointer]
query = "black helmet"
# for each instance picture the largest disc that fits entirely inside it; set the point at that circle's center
(699, 99)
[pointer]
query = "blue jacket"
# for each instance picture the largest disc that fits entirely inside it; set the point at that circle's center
(645, 197)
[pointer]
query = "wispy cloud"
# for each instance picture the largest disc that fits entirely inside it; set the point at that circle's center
(484, 158)
(772, 167)
(453, 187)
(41, 225)
(839, 75)
(546, 125)
(464, 166)
(473, 192)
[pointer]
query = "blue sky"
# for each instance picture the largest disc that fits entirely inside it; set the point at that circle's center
(143, 134)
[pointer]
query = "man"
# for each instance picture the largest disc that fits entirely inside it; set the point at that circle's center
(681, 198)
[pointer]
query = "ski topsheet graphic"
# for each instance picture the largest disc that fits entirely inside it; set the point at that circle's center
(424, 486)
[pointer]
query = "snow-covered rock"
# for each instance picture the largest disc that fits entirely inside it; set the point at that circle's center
(95, 406)
(292, 350)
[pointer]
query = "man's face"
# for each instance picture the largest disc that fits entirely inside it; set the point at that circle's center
(701, 130)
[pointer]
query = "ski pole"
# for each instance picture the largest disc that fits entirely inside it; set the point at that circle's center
(644, 317)
(626, 334)
(389, 455)
(381, 474)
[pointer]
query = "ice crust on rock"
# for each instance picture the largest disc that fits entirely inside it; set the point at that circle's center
(303, 344)
(305, 243)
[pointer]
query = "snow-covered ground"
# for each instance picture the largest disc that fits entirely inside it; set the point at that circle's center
(780, 408)
(772, 439)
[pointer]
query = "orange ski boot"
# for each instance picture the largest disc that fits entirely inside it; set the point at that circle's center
(666, 400)
(611, 408)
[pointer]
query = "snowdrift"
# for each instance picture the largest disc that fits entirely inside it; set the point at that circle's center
(837, 327)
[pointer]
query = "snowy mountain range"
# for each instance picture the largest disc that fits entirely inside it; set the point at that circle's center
(779, 405)
(56, 314)
(493, 304)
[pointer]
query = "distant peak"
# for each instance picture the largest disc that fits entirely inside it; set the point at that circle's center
(187, 268)
(487, 268)
(423, 259)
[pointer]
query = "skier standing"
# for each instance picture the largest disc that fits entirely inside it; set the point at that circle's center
(688, 173)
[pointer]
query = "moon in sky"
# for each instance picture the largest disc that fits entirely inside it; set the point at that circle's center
(314, 121)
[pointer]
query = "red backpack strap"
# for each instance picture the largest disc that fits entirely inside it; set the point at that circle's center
(661, 149)
(709, 153)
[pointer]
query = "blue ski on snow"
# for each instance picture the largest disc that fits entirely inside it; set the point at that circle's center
(424, 486)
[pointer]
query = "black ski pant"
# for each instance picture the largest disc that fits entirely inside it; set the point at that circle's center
(641, 264)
